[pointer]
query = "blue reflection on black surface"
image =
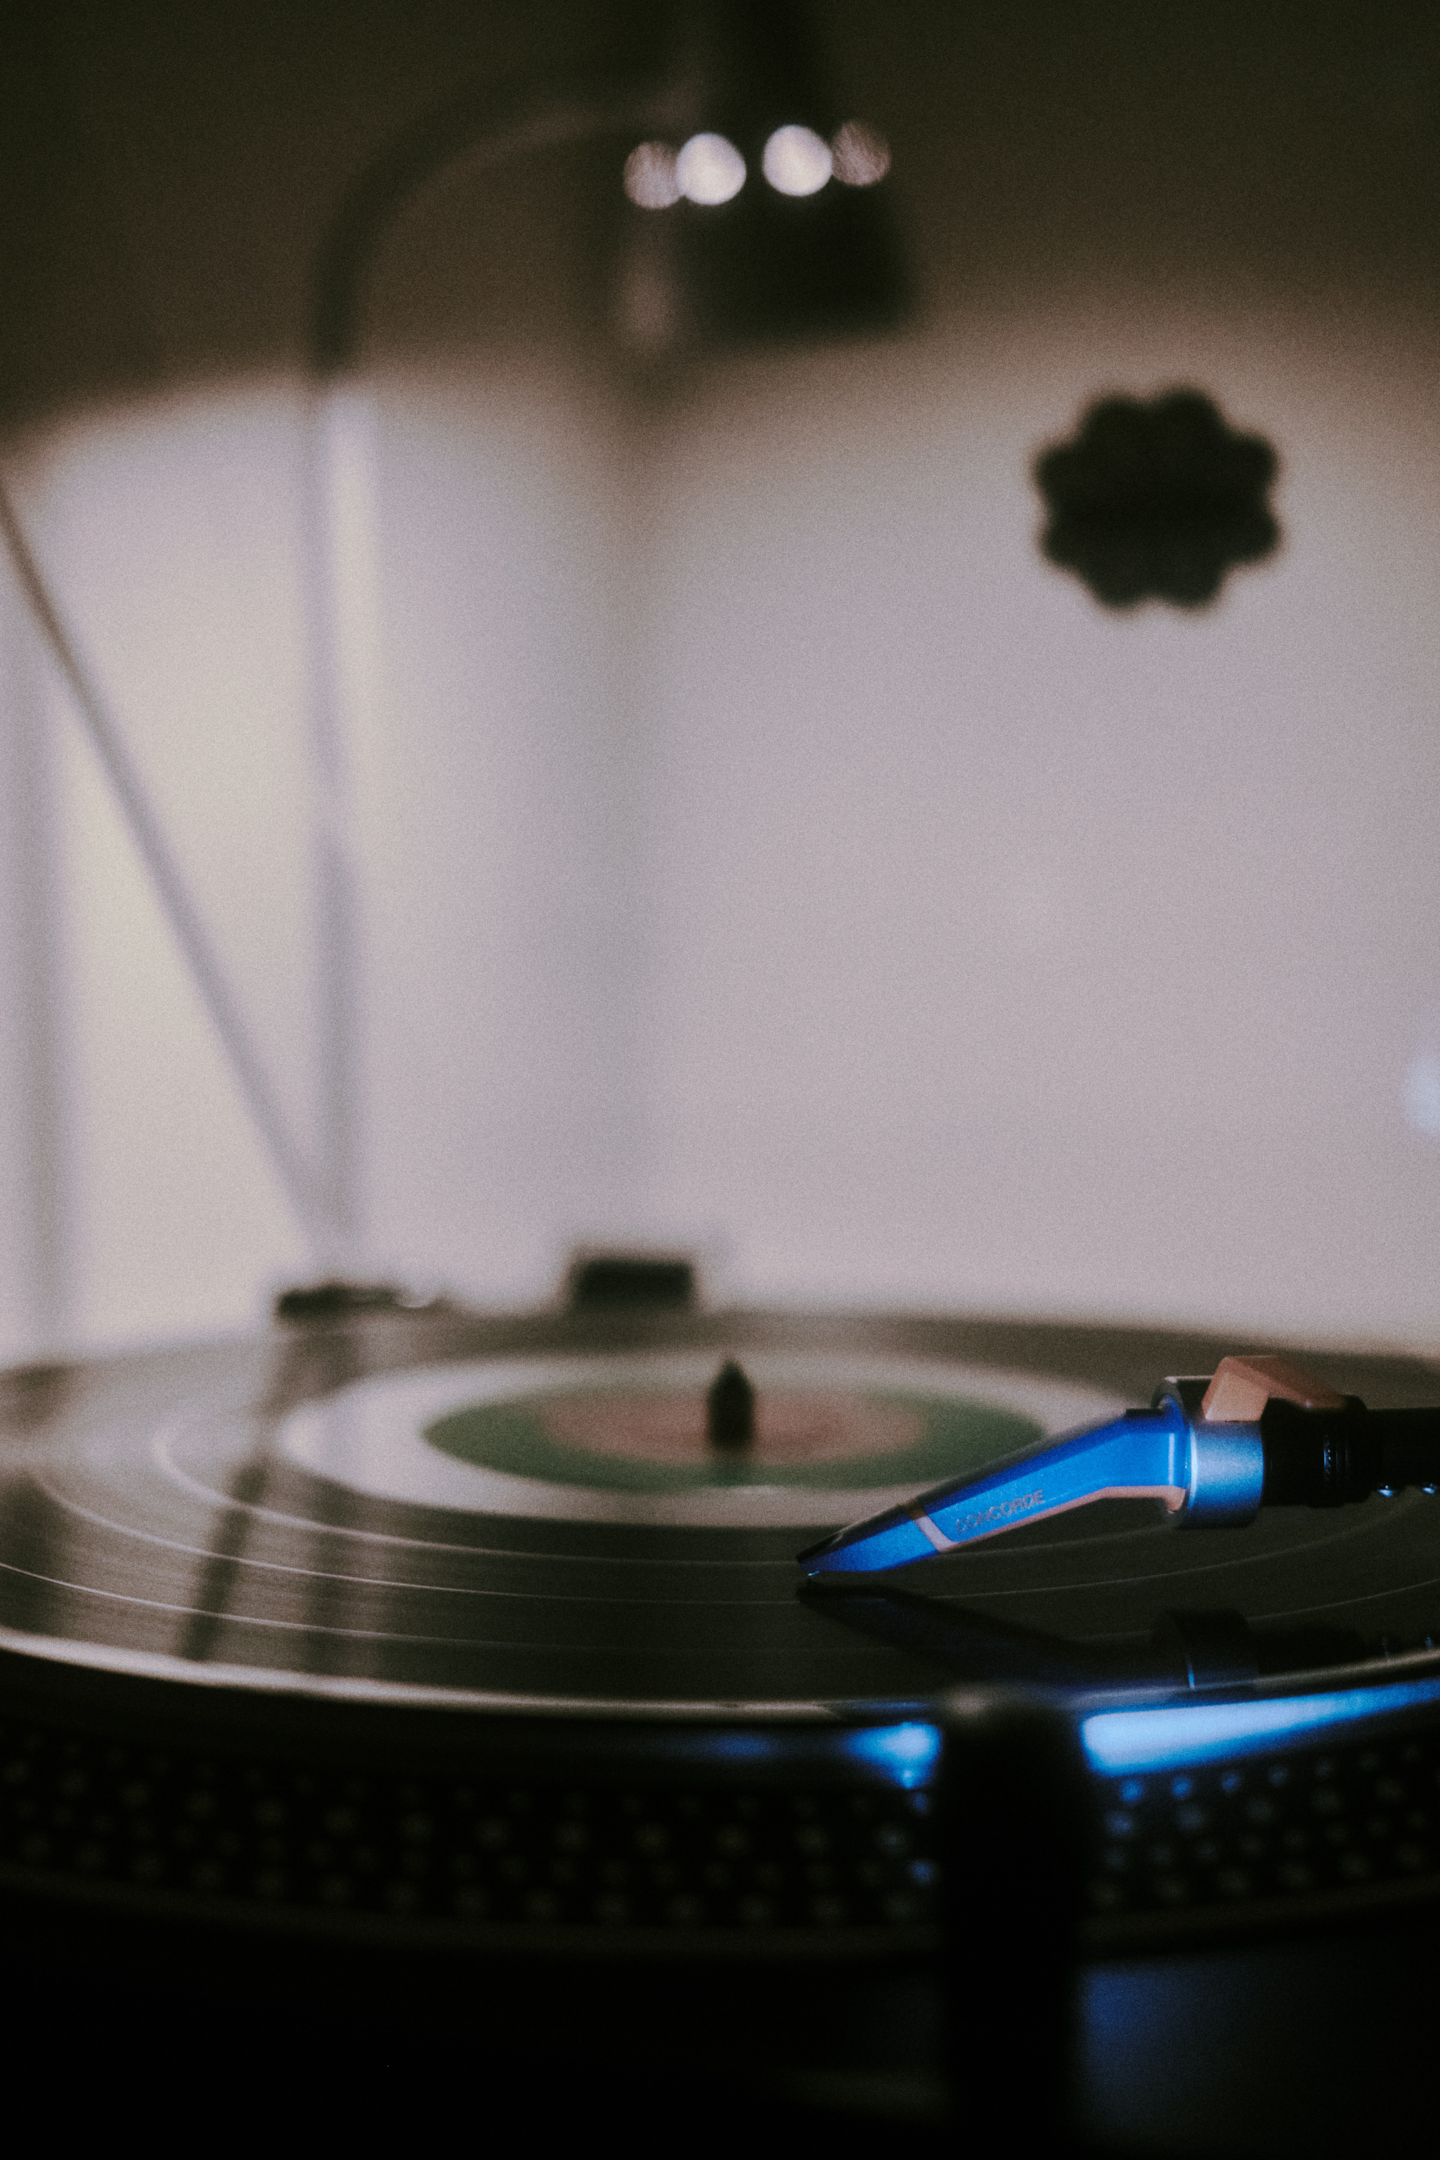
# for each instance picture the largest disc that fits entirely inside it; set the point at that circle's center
(1154, 1739)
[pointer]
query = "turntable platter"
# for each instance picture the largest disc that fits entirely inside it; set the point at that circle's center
(530, 1513)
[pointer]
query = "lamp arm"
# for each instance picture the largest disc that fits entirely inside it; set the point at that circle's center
(527, 113)
(494, 123)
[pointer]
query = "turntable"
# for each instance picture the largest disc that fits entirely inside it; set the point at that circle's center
(413, 1636)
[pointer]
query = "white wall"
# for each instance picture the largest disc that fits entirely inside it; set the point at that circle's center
(1016, 953)
(507, 901)
(170, 538)
(763, 847)
(35, 1188)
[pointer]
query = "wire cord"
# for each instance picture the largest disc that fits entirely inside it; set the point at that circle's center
(170, 888)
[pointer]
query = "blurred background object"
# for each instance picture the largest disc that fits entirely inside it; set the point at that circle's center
(759, 850)
(1157, 501)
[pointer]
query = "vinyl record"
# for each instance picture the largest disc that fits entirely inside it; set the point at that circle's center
(530, 1515)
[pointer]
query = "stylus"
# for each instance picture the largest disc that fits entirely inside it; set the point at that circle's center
(1295, 1442)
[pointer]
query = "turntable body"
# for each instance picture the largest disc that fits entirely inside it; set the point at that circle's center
(560, 1713)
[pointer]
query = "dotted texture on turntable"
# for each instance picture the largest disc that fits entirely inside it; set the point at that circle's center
(1325, 1828)
(318, 1825)
(492, 1854)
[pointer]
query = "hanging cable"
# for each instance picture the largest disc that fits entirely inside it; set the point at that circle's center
(169, 885)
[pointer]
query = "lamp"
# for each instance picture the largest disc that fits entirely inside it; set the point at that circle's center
(781, 233)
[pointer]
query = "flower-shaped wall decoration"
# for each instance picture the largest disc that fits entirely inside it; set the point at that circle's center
(1157, 500)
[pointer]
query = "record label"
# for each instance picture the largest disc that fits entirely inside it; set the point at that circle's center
(624, 1440)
